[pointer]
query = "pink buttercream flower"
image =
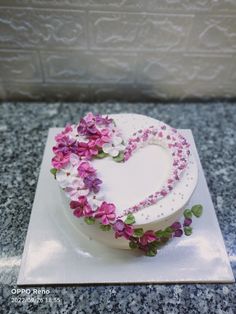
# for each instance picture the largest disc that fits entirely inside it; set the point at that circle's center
(105, 121)
(85, 169)
(90, 118)
(60, 136)
(87, 150)
(91, 124)
(149, 236)
(122, 229)
(101, 137)
(81, 207)
(106, 212)
(98, 119)
(60, 160)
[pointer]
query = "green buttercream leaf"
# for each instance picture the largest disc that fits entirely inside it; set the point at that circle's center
(105, 227)
(151, 252)
(101, 155)
(168, 230)
(130, 219)
(120, 157)
(159, 233)
(138, 232)
(54, 172)
(153, 245)
(197, 210)
(164, 234)
(89, 220)
(133, 245)
(159, 245)
(165, 239)
(187, 213)
(188, 231)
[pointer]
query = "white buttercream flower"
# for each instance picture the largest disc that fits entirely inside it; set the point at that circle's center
(75, 160)
(95, 200)
(114, 130)
(76, 189)
(74, 134)
(65, 176)
(114, 147)
(69, 180)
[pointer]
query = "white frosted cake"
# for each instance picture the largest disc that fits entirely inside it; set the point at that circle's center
(125, 180)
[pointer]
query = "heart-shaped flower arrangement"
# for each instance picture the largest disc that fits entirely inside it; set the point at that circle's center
(98, 137)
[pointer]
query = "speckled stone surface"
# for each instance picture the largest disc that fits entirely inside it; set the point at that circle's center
(23, 132)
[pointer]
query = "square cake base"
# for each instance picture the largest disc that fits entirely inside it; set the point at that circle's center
(55, 253)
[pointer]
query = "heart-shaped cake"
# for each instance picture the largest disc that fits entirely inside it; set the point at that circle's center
(128, 177)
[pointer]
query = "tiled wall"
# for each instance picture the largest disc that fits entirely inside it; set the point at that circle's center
(117, 49)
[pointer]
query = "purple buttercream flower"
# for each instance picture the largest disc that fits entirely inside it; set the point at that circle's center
(87, 125)
(122, 229)
(176, 225)
(85, 169)
(82, 127)
(178, 233)
(119, 225)
(87, 128)
(65, 146)
(103, 121)
(92, 183)
(187, 222)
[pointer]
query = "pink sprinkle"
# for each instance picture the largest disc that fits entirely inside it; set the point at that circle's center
(163, 193)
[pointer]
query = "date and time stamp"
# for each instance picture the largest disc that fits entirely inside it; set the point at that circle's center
(34, 295)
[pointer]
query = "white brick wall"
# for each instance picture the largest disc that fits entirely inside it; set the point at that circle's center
(117, 49)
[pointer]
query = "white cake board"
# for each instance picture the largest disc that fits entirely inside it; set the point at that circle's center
(55, 253)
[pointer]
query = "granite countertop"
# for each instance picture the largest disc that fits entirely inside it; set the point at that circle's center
(23, 132)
